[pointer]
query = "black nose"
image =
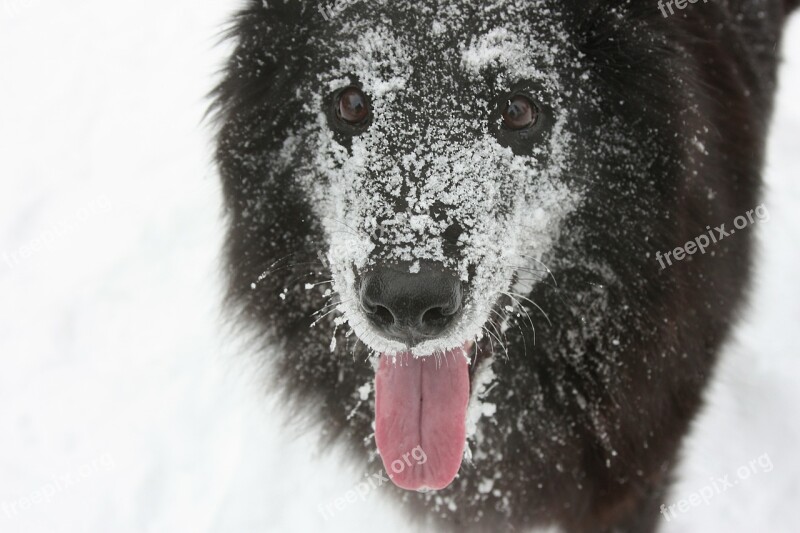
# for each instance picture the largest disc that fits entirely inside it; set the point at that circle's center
(410, 307)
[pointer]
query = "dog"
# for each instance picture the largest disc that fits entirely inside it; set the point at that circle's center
(497, 235)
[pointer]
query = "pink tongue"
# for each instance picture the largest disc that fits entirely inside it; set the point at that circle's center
(420, 417)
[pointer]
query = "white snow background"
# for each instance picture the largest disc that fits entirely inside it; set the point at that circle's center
(125, 406)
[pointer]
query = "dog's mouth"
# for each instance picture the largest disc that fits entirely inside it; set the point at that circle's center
(420, 411)
(424, 327)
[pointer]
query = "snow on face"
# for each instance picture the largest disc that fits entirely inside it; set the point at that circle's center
(428, 161)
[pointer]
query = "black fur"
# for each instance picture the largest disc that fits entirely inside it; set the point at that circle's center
(590, 418)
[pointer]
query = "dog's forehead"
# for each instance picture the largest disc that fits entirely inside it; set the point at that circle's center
(436, 47)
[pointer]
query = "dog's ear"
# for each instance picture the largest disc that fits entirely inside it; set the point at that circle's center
(270, 39)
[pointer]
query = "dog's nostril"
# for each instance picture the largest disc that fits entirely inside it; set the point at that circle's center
(438, 316)
(383, 315)
(432, 315)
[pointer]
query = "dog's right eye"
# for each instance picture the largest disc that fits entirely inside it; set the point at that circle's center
(353, 106)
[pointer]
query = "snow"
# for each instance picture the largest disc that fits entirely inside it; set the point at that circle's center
(126, 404)
(481, 383)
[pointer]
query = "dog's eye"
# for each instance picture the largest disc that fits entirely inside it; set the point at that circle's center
(353, 106)
(518, 120)
(519, 113)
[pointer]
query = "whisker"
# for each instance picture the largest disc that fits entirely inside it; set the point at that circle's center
(319, 319)
(535, 305)
(534, 272)
(298, 278)
(332, 304)
(311, 286)
(545, 266)
(522, 308)
(270, 271)
(498, 340)
(522, 331)
(503, 344)
(491, 342)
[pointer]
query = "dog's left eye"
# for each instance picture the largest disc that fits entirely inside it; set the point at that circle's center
(353, 106)
(518, 120)
(519, 113)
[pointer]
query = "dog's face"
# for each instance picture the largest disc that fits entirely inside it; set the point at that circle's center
(441, 145)
(425, 178)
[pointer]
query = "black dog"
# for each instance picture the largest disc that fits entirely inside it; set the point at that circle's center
(501, 214)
